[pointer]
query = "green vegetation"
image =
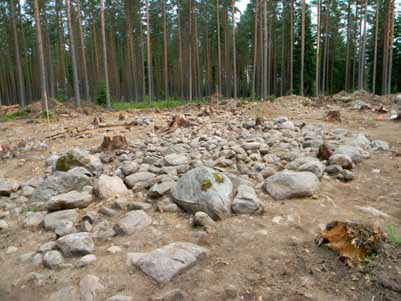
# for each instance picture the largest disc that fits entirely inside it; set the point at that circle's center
(14, 115)
(218, 178)
(101, 93)
(161, 104)
(369, 258)
(392, 235)
(206, 184)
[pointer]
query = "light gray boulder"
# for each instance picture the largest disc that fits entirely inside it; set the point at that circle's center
(356, 154)
(54, 219)
(132, 222)
(290, 184)
(165, 263)
(204, 189)
(76, 244)
(90, 286)
(176, 159)
(70, 200)
(107, 186)
(53, 259)
(139, 177)
(8, 186)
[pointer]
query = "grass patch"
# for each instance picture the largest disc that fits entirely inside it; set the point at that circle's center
(160, 104)
(368, 259)
(392, 235)
(14, 115)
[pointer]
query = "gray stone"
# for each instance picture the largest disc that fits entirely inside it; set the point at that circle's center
(342, 160)
(69, 200)
(359, 140)
(289, 184)
(333, 170)
(86, 260)
(53, 259)
(3, 225)
(380, 145)
(297, 163)
(48, 246)
(138, 206)
(315, 167)
(58, 183)
(246, 201)
(8, 186)
(132, 222)
(52, 220)
(139, 177)
(129, 167)
(89, 286)
(165, 263)
(108, 211)
(64, 228)
(108, 187)
(69, 293)
(160, 189)
(356, 154)
(103, 230)
(76, 244)
(201, 219)
(27, 191)
(204, 189)
(78, 158)
(37, 260)
(176, 159)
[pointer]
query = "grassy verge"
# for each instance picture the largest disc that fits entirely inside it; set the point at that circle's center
(13, 116)
(160, 104)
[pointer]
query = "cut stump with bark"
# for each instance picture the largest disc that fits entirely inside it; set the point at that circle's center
(325, 152)
(333, 116)
(115, 142)
(178, 121)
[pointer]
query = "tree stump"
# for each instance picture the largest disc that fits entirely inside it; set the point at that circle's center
(115, 142)
(333, 116)
(258, 121)
(324, 152)
(178, 121)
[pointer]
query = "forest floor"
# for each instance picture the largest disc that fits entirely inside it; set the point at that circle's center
(268, 257)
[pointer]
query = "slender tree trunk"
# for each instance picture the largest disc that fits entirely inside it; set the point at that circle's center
(41, 57)
(49, 60)
(61, 46)
(142, 57)
(106, 69)
(180, 58)
(94, 37)
(317, 79)
(196, 53)
(301, 89)
(131, 49)
(363, 49)
(266, 56)
(270, 49)
(347, 55)
(21, 85)
(234, 51)
(283, 75)
(375, 48)
(190, 50)
(291, 46)
(326, 47)
(218, 46)
(386, 48)
(208, 61)
(149, 52)
(166, 92)
(83, 52)
(255, 50)
(390, 63)
(73, 55)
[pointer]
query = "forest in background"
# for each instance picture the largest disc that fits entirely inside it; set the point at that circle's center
(142, 50)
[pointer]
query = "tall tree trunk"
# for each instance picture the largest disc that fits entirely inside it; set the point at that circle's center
(61, 47)
(390, 60)
(326, 47)
(166, 92)
(218, 46)
(266, 56)
(363, 49)
(190, 50)
(375, 48)
(208, 61)
(180, 58)
(149, 52)
(291, 46)
(255, 50)
(142, 57)
(48, 51)
(41, 57)
(83, 52)
(301, 88)
(386, 47)
(73, 54)
(131, 49)
(317, 75)
(21, 86)
(270, 55)
(283, 75)
(94, 37)
(234, 51)
(347, 54)
(196, 53)
(106, 69)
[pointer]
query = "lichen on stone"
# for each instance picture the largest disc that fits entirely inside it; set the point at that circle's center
(206, 184)
(218, 178)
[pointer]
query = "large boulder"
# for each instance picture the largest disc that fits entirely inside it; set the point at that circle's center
(8, 186)
(132, 222)
(246, 201)
(289, 184)
(204, 189)
(165, 263)
(78, 158)
(139, 177)
(76, 244)
(108, 186)
(341, 160)
(58, 183)
(70, 200)
(356, 153)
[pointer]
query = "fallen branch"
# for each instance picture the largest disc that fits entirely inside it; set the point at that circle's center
(178, 121)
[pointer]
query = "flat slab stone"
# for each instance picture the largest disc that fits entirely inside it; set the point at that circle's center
(165, 263)
(54, 219)
(8, 186)
(133, 221)
(76, 244)
(70, 200)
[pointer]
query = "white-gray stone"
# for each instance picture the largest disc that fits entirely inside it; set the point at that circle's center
(53, 259)
(52, 220)
(69, 200)
(86, 260)
(289, 184)
(76, 244)
(89, 286)
(246, 201)
(342, 160)
(356, 154)
(108, 186)
(316, 167)
(160, 189)
(204, 189)
(139, 177)
(380, 145)
(176, 159)
(8, 186)
(165, 263)
(201, 219)
(132, 222)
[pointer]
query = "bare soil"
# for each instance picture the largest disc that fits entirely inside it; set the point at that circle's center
(251, 257)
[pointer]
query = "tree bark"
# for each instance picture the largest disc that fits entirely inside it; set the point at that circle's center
(347, 52)
(375, 48)
(180, 58)
(218, 46)
(234, 51)
(255, 50)
(149, 52)
(83, 52)
(317, 75)
(291, 46)
(166, 92)
(73, 54)
(190, 50)
(301, 88)
(131, 49)
(106, 70)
